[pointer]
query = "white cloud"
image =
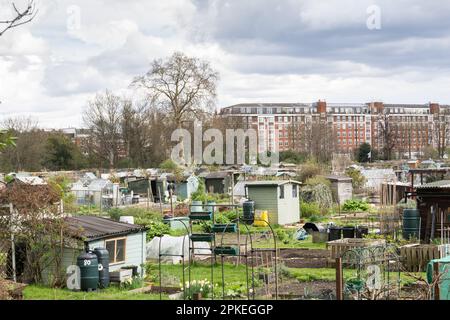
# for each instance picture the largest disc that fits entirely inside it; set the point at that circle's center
(265, 50)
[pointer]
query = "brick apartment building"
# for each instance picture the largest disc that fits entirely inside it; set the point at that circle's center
(403, 130)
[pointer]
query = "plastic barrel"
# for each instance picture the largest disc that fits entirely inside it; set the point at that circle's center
(335, 233)
(103, 267)
(348, 232)
(88, 264)
(248, 212)
(411, 223)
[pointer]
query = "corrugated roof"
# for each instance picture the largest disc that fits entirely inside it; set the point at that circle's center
(443, 184)
(215, 175)
(93, 228)
(270, 182)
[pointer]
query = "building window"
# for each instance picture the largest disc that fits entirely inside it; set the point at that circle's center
(294, 191)
(281, 192)
(116, 249)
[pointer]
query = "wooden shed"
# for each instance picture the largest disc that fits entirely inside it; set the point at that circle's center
(342, 188)
(433, 201)
(126, 243)
(279, 197)
(217, 182)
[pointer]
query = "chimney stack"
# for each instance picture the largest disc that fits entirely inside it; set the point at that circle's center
(322, 106)
(434, 108)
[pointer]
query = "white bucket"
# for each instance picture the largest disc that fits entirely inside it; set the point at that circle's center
(127, 219)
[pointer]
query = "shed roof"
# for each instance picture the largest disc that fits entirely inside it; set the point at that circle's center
(443, 184)
(271, 183)
(215, 175)
(93, 228)
(339, 178)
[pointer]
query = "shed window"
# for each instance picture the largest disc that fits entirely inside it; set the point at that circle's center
(281, 192)
(294, 191)
(116, 249)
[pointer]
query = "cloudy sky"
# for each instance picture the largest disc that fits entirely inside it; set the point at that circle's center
(265, 51)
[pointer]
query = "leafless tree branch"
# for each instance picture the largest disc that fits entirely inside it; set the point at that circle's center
(20, 17)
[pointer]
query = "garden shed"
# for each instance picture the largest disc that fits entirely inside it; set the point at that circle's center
(185, 184)
(433, 202)
(126, 243)
(279, 197)
(217, 182)
(342, 188)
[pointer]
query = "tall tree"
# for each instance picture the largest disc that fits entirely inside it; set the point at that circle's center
(181, 86)
(104, 118)
(29, 148)
(18, 17)
(388, 133)
(442, 131)
(62, 153)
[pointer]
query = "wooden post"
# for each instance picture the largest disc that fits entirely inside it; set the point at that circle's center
(436, 281)
(339, 280)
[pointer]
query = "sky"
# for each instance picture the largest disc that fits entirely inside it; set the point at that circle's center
(265, 51)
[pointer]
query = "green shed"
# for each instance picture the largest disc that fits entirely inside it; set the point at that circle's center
(280, 198)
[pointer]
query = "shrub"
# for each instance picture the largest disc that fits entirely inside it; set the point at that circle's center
(358, 180)
(355, 205)
(320, 194)
(309, 209)
(309, 170)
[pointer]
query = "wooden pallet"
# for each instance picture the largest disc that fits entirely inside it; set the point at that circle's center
(415, 257)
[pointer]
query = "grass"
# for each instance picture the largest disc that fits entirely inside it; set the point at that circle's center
(234, 275)
(37, 292)
(292, 243)
(329, 274)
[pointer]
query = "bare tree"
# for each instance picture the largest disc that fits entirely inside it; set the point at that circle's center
(388, 132)
(29, 148)
(442, 131)
(104, 118)
(181, 86)
(19, 17)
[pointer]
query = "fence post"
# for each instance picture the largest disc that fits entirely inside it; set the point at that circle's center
(436, 280)
(339, 279)
(13, 247)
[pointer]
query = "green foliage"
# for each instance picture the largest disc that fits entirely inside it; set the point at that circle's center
(358, 180)
(309, 170)
(132, 283)
(317, 180)
(168, 165)
(355, 205)
(317, 193)
(6, 139)
(310, 209)
(204, 287)
(115, 213)
(291, 156)
(63, 154)
(362, 153)
(200, 193)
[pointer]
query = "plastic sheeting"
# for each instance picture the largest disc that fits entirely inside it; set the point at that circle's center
(174, 246)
